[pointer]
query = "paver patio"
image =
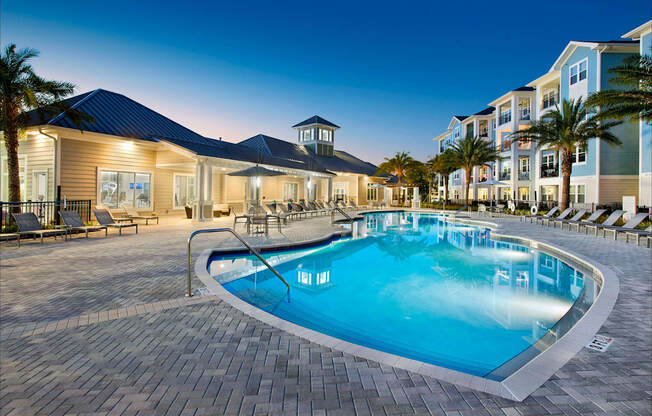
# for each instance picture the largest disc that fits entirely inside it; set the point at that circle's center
(101, 327)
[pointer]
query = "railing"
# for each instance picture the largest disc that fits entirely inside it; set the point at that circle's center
(505, 117)
(505, 176)
(506, 146)
(524, 176)
(525, 114)
(239, 237)
(341, 211)
(47, 212)
(552, 172)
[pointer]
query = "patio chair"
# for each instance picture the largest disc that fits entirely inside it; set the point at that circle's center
(115, 219)
(104, 217)
(73, 222)
(316, 207)
(221, 210)
(533, 218)
(547, 220)
(356, 206)
(284, 210)
(611, 220)
(307, 209)
(132, 213)
(561, 221)
(28, 224)
(592, 218)
(298, 210)
(629, 226)
(637, 234)
(280, 214)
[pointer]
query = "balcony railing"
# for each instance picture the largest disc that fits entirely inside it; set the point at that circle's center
(549, 171)
(551, 101)
(505, 117)
(525, 113)
(505, 146)
(524, 176)
(505, 175)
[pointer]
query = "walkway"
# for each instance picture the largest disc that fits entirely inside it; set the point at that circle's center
(101, 327)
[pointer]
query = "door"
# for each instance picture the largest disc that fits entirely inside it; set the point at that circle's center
(40, 185)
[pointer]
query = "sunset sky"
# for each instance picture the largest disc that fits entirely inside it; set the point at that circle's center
(391, 75)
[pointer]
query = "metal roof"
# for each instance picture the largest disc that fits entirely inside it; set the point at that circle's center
(117, 115)
(487, 111)
(316, 120)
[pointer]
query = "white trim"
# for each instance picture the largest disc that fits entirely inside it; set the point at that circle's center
(577, 64)
(23, 195)
(47, 184)
(637, 33)
(174, 184)
(598, 148)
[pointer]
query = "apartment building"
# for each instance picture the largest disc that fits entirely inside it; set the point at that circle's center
(602, 174)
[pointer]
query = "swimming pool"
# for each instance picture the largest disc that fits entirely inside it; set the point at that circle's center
(417, 286)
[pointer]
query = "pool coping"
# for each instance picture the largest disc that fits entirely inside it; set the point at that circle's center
(517, 386)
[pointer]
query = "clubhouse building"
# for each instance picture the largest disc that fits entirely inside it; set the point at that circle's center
(132, 155)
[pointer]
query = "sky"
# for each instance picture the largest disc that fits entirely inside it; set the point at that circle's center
(391, 75)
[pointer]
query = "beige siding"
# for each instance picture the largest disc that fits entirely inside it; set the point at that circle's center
(613, 189)
(38, 153)
(81, 159)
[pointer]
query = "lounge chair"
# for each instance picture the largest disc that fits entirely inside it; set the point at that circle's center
(561, 221)
(307, 209)
(629, 226)
(592, 218)
(637, 234)
(534, 218)
(73, 222)
(610, 221)
(298, 210)
(316, 207)
(563, 215)
(284, 210)
(132, 213)
(104, 217)
(28, 224)
(115, 219)
(282, 216)
(221, 210)
(356, 206)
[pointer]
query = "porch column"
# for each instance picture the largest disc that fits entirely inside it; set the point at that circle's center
(200, 184)
(307, 185)
(416, 201)
(330, 190)
(209, 182)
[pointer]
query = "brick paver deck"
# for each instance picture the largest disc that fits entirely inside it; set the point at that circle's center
(101, 327)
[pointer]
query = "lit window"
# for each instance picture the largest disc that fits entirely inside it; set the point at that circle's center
(372, 193)
(184, 190)
(290, 191)
(4, 181)
(124, 188)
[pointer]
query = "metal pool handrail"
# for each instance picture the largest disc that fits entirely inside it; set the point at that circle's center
(341, 211)
(239, 237)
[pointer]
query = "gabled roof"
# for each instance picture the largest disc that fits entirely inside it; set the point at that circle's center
(117, 115)
(456, 118)
(503, 97)
(639, 31)
(342, 161)
(524, 88)
(574, 44)
(486, 112)
(316, 120)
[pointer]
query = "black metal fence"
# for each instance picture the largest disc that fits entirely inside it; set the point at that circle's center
(46, 211)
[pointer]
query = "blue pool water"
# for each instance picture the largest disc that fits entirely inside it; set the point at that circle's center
(414, 285)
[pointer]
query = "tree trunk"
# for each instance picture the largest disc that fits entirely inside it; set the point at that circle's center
(445, 188)
(467, 185)
(11, 143)
(566, 170)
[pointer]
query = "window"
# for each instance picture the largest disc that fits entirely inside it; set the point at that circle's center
(290, 191)
(549, 99)
(341, 190)
(577, 193)
(184, 190)
(506, 173)
(524, 168)
(456, 133)
(578, 72)
(469, 130)
(456, 174)
(306, 135)
(505, 114)
(524, 193)
(117, 189)
(325, 135)
(524, 108)
(484, 128)
(40, 185)
(372, 193)
(579, 155)
(4, 181)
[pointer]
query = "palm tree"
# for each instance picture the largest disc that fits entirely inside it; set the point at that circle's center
(22, 90)
(444, 164)
(398, 165)
(564, 130)
(470, 152)
(632, 102)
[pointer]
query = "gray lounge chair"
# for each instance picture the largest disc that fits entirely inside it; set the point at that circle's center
(284, 210)
(592, 218)
(279, 214)
(298, 210)
(116, 219)
(581, 213)
(132, 213)
(563, 215)
(104, 217)
(535, 218)
(610, 221)
(629, 226)
(637, 234)
(28, 224)
(307, 209)
(73, 222)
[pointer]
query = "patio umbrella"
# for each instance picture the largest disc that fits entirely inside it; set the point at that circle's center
(491, 183)
(254, 173)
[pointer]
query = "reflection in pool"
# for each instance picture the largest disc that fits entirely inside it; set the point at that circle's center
(414, 285)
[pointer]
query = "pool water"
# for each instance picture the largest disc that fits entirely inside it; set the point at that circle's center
(413, 285)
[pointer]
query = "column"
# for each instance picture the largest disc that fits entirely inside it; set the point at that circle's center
(416, 201)
(330, 189)
(200, 184)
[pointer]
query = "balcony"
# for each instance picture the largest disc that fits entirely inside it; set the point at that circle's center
(525, 113)
(505, 175)
(549, 101)
(524, 176)
(505, 117)
(549, 171)
(506, 146)
(483, 179)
